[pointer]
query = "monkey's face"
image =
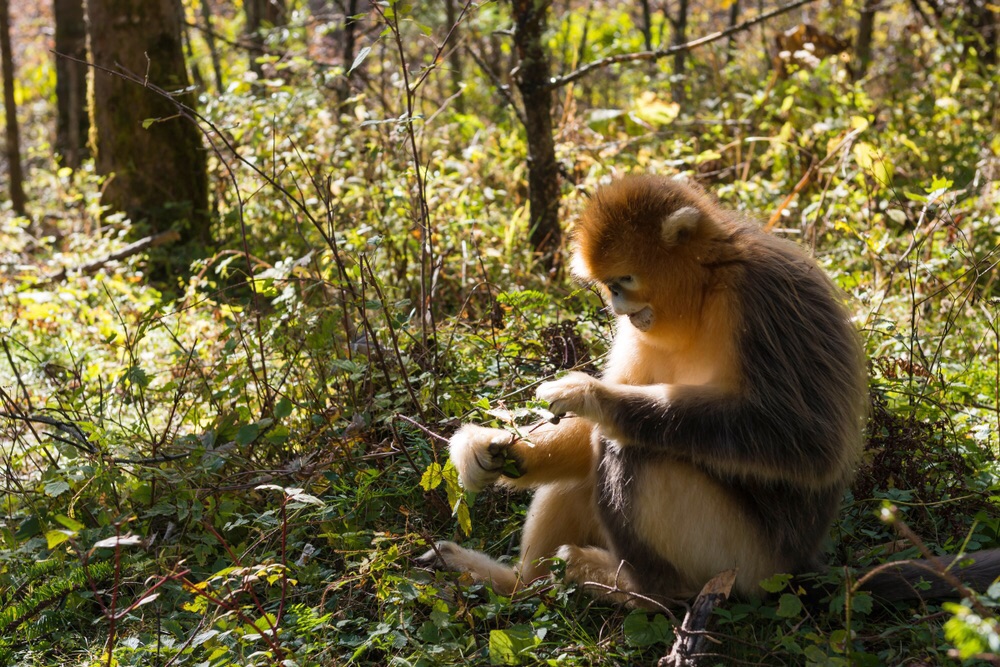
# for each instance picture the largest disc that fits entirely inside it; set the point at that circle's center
(645, 240)
(625, 298)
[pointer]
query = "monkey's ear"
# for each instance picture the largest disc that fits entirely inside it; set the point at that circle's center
(678, 225)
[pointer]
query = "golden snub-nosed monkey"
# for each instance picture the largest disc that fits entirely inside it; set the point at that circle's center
(724, 429)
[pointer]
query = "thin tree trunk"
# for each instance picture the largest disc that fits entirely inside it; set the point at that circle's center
(647, 25)
(350, 10)
(197, 79)
(157, 170)
(17, 198)
(863, 47)
(206, 16)
(260, 13)
(533, 76)
(680, 37)
(454, 57)
(72, 121)
(985, 24)
(734, 17)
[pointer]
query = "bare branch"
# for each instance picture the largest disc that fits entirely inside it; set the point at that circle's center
(657, 54)
(163, 238)
(79, 438)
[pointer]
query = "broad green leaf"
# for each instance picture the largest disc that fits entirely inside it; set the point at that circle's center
(69, 523)
(508, 646)
(789, 606)
(56, 488)
(641, 631)
(247, 434)
(776, 583)
(282, 408)
(54, 538)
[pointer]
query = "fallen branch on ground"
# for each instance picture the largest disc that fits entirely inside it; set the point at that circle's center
(156, 240)
(692, 633)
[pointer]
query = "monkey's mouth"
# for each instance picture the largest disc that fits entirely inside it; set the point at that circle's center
(642, 319)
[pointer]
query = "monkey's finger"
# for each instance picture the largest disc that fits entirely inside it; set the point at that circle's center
(548, 416)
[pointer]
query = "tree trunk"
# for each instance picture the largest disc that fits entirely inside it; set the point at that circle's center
(532, 82)
(206, 15)
(734, 17)
(680, 37)
(261, 13)
(863, 47)
(17, 198)
(647, 25)
(985, 24)
(454, 57)
(72, 121)
(157, 173)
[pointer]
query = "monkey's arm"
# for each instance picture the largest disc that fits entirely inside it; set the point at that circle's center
(725, 432)
(541, 453)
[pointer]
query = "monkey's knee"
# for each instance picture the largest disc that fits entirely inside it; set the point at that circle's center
(481, 455)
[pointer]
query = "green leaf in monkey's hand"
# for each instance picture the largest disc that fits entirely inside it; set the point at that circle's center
(511, 467)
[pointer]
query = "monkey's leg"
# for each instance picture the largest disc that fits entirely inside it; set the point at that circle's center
(544, 453)
(559, 514)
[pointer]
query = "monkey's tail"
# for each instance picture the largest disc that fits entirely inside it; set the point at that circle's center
(941, 578)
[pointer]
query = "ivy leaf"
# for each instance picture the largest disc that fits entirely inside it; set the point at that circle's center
(789, 606)
(56, 488)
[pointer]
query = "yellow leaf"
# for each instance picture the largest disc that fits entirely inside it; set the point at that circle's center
(38, 311)
(652, 110)
(873, 161)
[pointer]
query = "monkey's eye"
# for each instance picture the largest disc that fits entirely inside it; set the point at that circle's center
(627, 282)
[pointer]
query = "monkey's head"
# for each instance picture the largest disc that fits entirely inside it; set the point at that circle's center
(646, 241)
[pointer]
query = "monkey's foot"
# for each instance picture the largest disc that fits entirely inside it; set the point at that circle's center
(603, 574)
(479, 566)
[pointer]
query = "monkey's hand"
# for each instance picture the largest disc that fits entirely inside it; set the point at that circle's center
(481, 455)
(575, 392)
